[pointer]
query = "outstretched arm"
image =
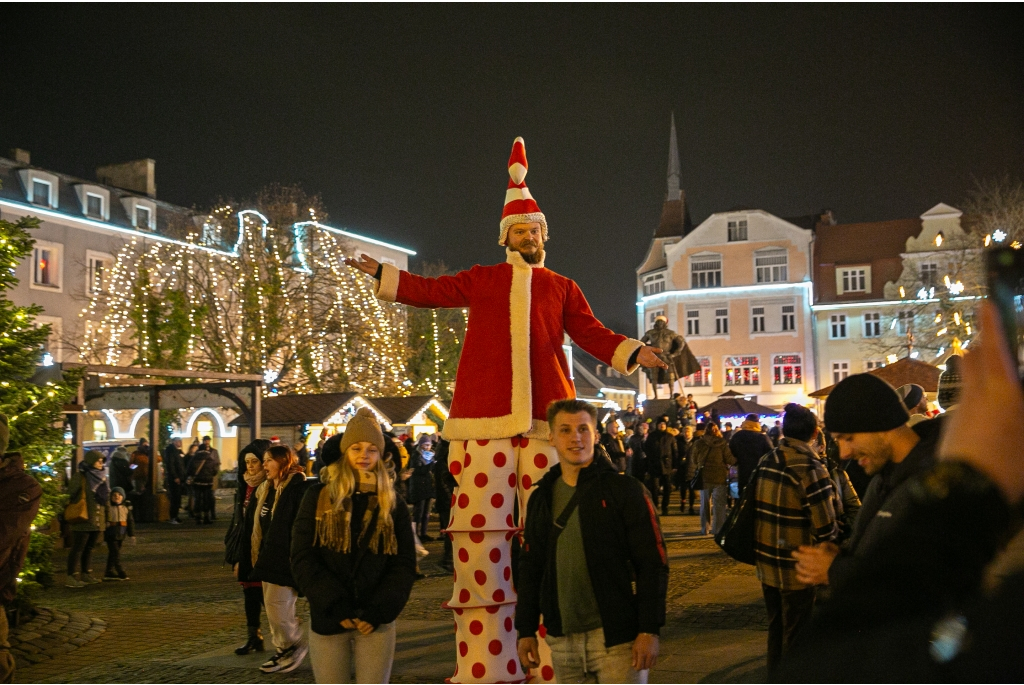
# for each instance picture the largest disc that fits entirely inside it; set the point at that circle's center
(394, 285)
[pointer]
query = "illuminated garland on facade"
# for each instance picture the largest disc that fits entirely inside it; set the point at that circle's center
(280, 303)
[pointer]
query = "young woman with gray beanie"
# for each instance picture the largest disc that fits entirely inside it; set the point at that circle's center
(353, 557)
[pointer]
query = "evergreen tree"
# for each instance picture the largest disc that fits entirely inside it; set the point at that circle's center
(35, 412)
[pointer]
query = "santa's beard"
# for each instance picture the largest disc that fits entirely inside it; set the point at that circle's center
(535, 258)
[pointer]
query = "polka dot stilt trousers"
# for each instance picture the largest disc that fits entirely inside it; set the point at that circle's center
(491, 475)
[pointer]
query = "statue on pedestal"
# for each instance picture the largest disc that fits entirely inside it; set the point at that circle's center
(675, 353)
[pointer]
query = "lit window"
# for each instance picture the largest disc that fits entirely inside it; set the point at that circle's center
(721, 322)
(837, 326)
(693, 322)
(99, 429)
(854, 280)
(41, 192)
(788, 317)
(94, 205)
(204, 428)
(872, 364)
(872, 325)
(742, 371)
(46, 266)
(706, 272)
(840, 370)
(142, 217)
(758, 320)
(771, 266)
(737, 230)
(788, 369)
(700, 378)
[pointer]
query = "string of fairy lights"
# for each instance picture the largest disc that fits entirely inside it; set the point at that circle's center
(281, 303)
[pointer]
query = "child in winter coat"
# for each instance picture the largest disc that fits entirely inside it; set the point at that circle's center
(120, 525)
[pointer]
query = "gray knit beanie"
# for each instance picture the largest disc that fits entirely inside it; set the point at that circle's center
(363, 427)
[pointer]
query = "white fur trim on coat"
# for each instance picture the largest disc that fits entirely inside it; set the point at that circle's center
(520, 420)
(387, 287)
(623, 352)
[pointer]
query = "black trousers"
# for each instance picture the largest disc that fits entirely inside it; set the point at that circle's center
(203, 505)
(253, 605)
(421, 515)
(661, 489)
(444, 513)
(82, 542)
(114, 555)
(173, 498)
(788, 612)
(684, 487)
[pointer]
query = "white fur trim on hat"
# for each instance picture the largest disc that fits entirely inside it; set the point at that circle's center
(512, 219)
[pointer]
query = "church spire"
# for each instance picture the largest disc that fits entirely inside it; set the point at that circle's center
(673, 163)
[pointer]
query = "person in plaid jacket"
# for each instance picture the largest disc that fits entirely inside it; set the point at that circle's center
(796, 505)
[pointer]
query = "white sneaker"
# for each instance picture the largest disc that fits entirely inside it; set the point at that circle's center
(74, 582)
(421, 551)
(286, 660)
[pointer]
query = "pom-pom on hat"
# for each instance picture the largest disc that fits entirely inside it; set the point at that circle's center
(520, 207)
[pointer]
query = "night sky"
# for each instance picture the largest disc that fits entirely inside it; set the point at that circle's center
(402, 117)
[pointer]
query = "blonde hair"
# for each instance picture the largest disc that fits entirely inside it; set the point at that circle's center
(340, 479)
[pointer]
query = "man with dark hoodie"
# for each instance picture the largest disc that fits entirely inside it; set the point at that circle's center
(748, 445)
(868, 420)
(20, 496)
(591, 533)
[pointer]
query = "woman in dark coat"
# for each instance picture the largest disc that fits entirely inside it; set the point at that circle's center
(89, 481)
(354, 558)
(250, 476)
(269, 518)
(421, 484)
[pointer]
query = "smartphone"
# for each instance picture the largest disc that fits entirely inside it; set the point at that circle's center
(1004, 268)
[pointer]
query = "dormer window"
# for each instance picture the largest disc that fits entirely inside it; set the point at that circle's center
(41, 192)
(654, 283)
(141, 212)
(94, 205)
(143, 216)
(95, 201)
(41, 188)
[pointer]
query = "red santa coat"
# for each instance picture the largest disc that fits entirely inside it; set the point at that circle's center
(512, 365)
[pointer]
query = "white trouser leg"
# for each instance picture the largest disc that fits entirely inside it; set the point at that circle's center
(279, 601)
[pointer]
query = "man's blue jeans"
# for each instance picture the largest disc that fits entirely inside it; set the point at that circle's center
(583, 658)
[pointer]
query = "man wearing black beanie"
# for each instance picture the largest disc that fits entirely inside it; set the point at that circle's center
(868, 420)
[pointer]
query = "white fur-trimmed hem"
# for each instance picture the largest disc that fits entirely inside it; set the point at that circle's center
(387, 288)
(623, 352)
(495, 428)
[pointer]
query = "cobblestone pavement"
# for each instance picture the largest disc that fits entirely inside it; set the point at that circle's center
(180, 616)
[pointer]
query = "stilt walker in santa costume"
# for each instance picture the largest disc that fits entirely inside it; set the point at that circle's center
(512, 366)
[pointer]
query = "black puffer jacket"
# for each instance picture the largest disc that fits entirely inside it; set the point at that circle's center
(660, 453)
(623, 544)
(358, 584)
(274, 562)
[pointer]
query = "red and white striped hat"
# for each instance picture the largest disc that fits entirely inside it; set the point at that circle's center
(520, 207)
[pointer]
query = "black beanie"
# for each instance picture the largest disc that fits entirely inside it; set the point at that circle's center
(331, 451)
(864, 403)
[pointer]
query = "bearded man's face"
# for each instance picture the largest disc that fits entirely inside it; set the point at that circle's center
(527, 240)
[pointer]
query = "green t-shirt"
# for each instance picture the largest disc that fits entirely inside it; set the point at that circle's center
(576, 601)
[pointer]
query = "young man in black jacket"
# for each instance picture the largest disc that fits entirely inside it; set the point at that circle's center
(590, 533)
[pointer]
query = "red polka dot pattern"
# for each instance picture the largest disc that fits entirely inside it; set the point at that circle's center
(547, 673)
(455, 467)
(481, 528)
